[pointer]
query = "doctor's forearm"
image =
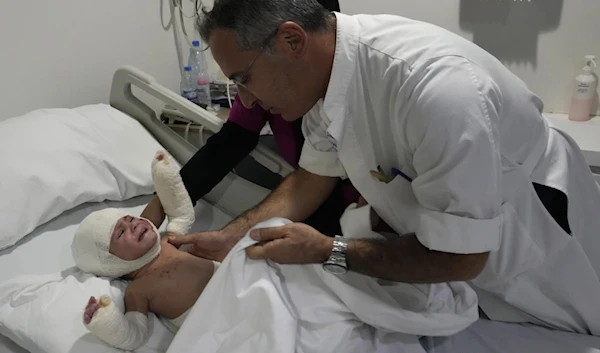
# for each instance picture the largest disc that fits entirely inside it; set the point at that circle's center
(404, 259)
(296, 198)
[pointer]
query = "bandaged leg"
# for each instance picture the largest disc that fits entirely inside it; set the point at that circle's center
(127, 331)
(172, 193)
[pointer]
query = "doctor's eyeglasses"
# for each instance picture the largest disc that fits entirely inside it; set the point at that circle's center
(243, 78)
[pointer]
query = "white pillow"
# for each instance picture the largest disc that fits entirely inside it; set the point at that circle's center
(55, 159)
(44, 314)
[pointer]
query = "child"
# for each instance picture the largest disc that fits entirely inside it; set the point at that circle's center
(164, 280)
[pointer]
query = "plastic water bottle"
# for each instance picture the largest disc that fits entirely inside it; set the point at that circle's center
(188, 84)
(197, 62)
(194, 58)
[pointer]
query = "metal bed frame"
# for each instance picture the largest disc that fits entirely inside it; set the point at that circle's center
(233, 194)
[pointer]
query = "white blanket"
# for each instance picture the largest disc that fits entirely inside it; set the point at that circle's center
(257, 306)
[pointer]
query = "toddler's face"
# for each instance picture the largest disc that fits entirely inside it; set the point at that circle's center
(132, 238)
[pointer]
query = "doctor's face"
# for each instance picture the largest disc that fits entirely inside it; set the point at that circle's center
(278, 81)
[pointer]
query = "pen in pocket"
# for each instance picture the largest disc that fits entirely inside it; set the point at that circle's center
(396, 172)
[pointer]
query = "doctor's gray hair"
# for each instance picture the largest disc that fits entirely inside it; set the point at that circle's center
(254, 21)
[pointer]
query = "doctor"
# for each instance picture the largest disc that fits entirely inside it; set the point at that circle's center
(444, 143)
(236, 139)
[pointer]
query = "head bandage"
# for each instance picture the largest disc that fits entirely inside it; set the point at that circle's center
(90, 247)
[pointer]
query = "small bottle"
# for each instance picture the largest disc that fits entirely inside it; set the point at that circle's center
(203, 91)
(585, 92)
(194, 59)
(188, 84)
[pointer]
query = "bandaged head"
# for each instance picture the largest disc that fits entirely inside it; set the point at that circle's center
(91, 243)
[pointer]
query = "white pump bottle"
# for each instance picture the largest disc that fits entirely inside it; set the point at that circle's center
(585, 92)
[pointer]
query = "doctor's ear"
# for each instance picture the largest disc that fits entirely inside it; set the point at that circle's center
(292, 39)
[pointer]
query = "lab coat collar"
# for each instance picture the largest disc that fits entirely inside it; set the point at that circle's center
(346, 46)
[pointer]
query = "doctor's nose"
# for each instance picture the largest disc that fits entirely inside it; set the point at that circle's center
(247, 98)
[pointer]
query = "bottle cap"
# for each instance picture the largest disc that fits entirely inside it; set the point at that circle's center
(187, 68)
(196, 43)
(589, 61)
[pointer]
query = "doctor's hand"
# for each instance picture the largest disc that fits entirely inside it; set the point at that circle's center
(295, 243)
(212, 245)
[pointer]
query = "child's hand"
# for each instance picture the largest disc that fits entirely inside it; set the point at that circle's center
(90, 310)
(127, 331)
(92, 307)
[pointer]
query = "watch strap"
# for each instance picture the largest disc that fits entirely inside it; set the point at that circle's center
(338, 252)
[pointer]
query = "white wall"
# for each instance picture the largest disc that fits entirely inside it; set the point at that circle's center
(62, 53)
(542, 41)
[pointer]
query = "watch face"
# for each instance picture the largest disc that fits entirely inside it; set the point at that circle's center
(335, 269)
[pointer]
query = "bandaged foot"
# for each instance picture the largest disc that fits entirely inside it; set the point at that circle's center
(172, 193)
(127, 331)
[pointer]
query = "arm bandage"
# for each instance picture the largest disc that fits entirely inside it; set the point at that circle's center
(172, 194)
(127, 331)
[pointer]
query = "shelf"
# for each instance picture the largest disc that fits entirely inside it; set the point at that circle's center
(585, 133)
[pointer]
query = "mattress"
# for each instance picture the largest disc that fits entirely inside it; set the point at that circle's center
(47, 249)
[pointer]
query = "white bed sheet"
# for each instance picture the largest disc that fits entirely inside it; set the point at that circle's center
(497, 337)
(47, 249)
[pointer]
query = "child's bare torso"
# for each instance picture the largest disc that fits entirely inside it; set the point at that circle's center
(173, 283)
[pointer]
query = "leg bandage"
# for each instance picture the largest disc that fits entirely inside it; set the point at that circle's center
(172, 193)
(127, 331)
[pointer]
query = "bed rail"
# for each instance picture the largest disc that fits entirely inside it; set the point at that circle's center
(234, 194)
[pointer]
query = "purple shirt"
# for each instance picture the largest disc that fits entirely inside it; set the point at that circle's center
(255, 118)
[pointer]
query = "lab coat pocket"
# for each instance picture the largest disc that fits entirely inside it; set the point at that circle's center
(400, 206)
(518, 253)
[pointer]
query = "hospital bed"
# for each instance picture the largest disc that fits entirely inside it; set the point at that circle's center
(46, 250)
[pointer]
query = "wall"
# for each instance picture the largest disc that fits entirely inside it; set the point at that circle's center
(62, 53)
(541, 41)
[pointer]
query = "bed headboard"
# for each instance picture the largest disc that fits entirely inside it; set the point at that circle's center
(234, 194)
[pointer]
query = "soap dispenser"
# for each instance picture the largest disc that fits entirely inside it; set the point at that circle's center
(585, 92)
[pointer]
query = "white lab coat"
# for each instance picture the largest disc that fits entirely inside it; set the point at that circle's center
(472, 138)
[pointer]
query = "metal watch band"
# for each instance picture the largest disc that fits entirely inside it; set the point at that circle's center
(336, 263)
(340, 245)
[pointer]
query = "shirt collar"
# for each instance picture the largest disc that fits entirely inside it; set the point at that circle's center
(344, 63)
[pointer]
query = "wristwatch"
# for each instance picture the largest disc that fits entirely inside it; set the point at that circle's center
(336, 263)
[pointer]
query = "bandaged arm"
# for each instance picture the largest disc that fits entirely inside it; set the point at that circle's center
(127, 331)
(172, 193)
